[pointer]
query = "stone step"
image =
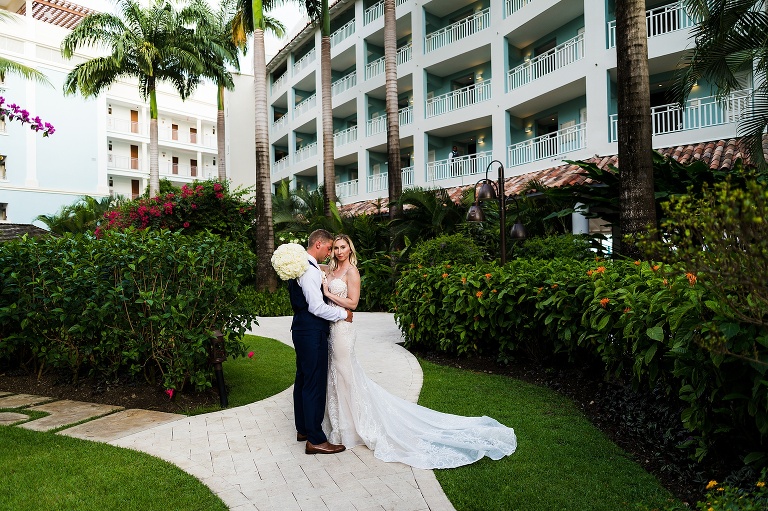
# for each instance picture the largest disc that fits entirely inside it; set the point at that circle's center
(65, 412)
(120, 424)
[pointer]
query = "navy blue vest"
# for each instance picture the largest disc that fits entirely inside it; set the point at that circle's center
(302, 319)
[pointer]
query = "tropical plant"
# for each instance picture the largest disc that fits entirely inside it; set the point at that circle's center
(730, 41)
(82, 216)
(298, 212)
(152, 44)
(395, 178)
(426, 214)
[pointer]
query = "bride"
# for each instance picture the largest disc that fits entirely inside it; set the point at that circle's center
(359, 411)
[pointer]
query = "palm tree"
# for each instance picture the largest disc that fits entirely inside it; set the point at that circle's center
(80, 217)
(430, 213)
(8, 66)
(638, 209)
(393, 118)
(153, 44)
(730, 40)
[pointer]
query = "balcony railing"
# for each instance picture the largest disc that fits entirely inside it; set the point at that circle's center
(698, 113)
(346, 189)
(123, 162)
(281, 123)
(344, 83)
(380, 181)
(125, 126)
(460, 98)
(342, 33)
(459, 166)
(560, 142)
(379, 124)
(185, 137)
(303, 62)
(658, 21)
(404, 54)
(279, 83)
(305, 152)
(305, 106)
(512, 6)
(374, 68)
(180, 169)
(407, 173)
(548, 62)
(458, 31)
(376, 11)
(280, 165)
(406, 115)
(344, 137)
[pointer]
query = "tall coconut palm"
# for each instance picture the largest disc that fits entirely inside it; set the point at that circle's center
(152, 44)
(638, 209)
(395, 178)
(730, 40)
(8, 66)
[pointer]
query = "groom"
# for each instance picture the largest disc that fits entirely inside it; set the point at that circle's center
(310, 328)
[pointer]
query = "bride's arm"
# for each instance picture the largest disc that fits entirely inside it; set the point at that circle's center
(353, 291)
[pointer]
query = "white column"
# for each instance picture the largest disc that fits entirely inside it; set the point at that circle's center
(102, 177)
(420, 146)
(579, 223)
(30, 104)
(499, 117)
(597, 58)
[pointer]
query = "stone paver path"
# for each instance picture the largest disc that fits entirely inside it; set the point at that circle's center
(120, 424)
(20, 400)
(8, 418)
(66, 412)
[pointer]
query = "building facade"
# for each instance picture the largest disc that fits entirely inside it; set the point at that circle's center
(101, 145)
(529, 83)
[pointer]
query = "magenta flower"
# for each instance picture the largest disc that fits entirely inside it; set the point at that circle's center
(250, 354)
(170, 393)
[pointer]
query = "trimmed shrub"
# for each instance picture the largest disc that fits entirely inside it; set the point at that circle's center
(455, 248)
(567, 246)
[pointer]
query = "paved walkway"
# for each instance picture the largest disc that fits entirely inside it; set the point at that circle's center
(248, 455)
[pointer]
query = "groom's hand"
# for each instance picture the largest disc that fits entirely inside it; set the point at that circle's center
(349, 316)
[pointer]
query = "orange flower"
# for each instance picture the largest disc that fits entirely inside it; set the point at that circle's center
(590, 272)
(539, 290)
(600, 269)
(477, 318)
(448, 266)
(488, 275)
(665, 282)
(445, 275)
(655, 267)
(419, 266)
(691, 278)
(425, 275)
(413, 325)
(494, 291)
(463, 280)
(637, 263)
(626, 311)
(597, 259)
(604, 302)
(479, 294)
(554, 286)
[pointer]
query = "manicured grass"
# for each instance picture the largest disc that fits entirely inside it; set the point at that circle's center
(562, 461)
(54, 472)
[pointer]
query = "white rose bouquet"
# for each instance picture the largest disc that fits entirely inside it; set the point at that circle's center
(290, 261)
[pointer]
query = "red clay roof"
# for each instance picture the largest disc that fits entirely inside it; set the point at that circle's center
(720, 154)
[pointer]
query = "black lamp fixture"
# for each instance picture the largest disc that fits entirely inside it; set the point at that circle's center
(492, 191)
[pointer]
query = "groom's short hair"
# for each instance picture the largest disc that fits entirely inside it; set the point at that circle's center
(319, 235)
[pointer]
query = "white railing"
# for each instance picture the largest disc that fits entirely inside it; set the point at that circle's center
(459, 166)
(547, 146)
(303, 62)
(344, 137)
(342, 33)
(124, 125)
(123, 162)
(404, 54)
(374, 12)
(279, 82)
(11, 44)
(374, 68)
(175, 135)
(378, 182)
(180, 169)
(698, 113)
(280, 165)
(346, 189)
(552, 60)
(405, 115)
(305, 152)
(460, 98)
(407, 175)
(281, 123)
(513, 6)
(658, 21)
(457, 31)
(376, 125)
(305, 106)
(344, 83)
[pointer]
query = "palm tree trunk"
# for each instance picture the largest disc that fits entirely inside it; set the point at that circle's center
(329, 169)
(266, 279)
(395, 181)
(638, 206)
(220, 138)
(154, 165)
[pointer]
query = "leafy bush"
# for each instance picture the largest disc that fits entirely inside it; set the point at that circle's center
(266, 303)
(133, 301)
(569, 246)
(455, 248)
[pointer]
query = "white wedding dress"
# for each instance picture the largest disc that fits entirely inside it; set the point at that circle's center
(359, 411)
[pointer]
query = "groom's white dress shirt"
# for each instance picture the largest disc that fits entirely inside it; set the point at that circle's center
(311, 283)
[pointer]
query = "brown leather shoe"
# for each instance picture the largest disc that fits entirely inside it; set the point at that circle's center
(300, 437)
(324, 448)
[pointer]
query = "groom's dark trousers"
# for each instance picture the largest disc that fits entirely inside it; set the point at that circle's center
(310, 339)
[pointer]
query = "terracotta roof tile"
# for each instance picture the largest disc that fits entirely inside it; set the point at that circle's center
(12, 231)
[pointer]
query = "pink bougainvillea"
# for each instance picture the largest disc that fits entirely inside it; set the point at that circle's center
(14, 112)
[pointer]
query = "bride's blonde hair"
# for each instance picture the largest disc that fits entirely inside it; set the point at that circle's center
(333, 264)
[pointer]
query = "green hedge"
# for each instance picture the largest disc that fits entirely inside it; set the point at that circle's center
(638, 320)
(133, 301)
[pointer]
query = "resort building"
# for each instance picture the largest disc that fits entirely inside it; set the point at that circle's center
(100, 146)
(527, 82)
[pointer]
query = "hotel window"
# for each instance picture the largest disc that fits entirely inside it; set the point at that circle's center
(3, 211)
(3, 177)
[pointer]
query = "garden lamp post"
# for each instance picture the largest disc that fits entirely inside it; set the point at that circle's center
(491, 191)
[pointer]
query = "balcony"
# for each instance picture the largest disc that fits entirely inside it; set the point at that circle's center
(554, 144)
(406, 115)
(458, 167)
(280, 165)
(346, 189)
(281, 123)
(279, 83)
(343, 84)
(404, 54)
(379, 124)
(458, 99)
(304, 61)
(458, 31)
(376, 11)
(512, 6)
(408, 176)
(125, 126)
(305, 152)
(180, 170)
(698, 113)
(123, 162)
(380, 181)
(305, 106)
(658, 21)
(345, 137)
(185, 137)
(342, 33)
(548, 62)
